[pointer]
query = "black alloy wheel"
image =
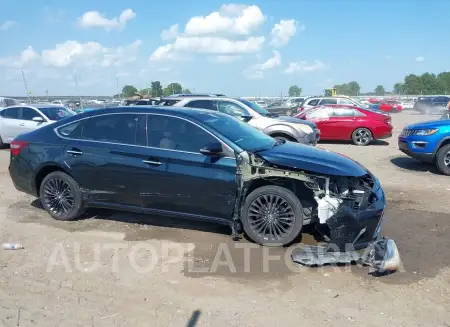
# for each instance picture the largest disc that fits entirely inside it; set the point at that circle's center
(61, 197)
(272, 215)
(362, 136)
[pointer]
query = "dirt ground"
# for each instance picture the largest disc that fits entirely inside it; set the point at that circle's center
(69, 273)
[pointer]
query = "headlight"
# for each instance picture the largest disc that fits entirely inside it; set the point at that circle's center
(425, 132)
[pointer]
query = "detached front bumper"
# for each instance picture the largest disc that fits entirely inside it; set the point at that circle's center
(354, 236)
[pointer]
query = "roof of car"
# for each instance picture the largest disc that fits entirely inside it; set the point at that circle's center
(169, 110)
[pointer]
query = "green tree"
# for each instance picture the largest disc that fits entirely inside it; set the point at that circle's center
(187, 91)
(173, 88)
(295, 91)
(157, 89)
(399, 88)
(444, 79)
(350, 89)
(431, 84)
(379, 90)
(128, 91)
(412, 85)
(147, 91)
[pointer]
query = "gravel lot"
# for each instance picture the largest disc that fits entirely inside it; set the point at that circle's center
(85, 290)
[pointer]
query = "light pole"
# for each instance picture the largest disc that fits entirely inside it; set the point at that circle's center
(25, 84)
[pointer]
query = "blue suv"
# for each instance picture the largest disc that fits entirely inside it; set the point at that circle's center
(428, 142)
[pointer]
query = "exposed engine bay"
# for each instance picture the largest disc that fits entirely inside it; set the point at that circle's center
(346, 210)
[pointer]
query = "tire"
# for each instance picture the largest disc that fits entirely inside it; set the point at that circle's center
(50, 190)
(443, 156)
(394, 110)
(2, 145)
(362, 136)
(291, 220)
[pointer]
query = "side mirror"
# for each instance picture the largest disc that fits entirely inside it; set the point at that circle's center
(246, 117)
(38, 119)
(212, 149)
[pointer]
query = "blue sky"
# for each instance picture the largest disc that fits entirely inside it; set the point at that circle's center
(242, 48)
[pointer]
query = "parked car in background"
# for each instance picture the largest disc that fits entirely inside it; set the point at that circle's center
(280, 127)
(428, 142)
(432, 105)
(392, 106)
(21, 119)
(261, 103)
(7, 102)
(321, 101)
(294, 101)
(338, 122)
(199, 164)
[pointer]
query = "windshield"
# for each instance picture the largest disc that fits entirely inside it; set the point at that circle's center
(255, 107)
(56, 113)
(245, 136)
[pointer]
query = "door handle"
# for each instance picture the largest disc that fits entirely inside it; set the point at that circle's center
(75, 152)
(151, 162)
(22, 124)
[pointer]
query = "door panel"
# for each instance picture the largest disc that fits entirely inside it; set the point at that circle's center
(111, 173)
(192, 183)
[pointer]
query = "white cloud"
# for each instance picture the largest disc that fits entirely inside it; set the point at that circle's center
(257, 71)
(284, 31)
(225, 59)
(7, 25)
(170, 33)
(305, 66)
(96, 19)
(28, 55)
(420, 59)
(231, 18)
(89, 54)
(207, 45)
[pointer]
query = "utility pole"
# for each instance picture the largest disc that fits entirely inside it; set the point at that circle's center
(25, 84)
(78, 91)
(172, 88)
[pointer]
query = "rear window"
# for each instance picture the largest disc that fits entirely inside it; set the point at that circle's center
(167, 102)
(12, 113)
(312, 102)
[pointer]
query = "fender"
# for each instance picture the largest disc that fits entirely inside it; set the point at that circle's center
(285, 129)
(446, 138)
(44, 166)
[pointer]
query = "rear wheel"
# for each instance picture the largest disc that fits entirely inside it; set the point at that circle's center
(394, 110)
(272, 215)
(443, 160)
(362, 136)
(61, 197)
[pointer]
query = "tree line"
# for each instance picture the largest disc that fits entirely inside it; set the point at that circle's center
(427, 84)
(155, 90)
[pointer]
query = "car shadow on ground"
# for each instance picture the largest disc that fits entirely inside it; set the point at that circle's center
(414, 165)
(149, 220)
(376, 142)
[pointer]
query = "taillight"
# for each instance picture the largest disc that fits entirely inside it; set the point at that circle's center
(17, 146)
(300, 109)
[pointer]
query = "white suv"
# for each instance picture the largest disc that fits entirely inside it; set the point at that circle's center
(321, 101)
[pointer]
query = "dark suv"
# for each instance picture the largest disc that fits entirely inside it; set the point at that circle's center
(432, 105)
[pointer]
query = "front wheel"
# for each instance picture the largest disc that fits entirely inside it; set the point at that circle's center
(61, 197)
(272, 215)
(443, 160)
(362, 136)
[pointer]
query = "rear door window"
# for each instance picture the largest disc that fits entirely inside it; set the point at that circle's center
(115, 128)
(232, 109)
(328, 101)
(11, 113)
(313, 102)
(203, 104)
(343, 112)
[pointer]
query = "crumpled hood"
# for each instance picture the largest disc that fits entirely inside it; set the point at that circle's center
(304, 157)
(430, 124)
(294, 120)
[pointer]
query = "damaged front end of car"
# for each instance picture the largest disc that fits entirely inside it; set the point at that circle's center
(347, 211)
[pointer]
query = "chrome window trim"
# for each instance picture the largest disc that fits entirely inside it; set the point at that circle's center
(56, 130)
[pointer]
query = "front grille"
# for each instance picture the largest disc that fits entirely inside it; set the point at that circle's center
(407, 132)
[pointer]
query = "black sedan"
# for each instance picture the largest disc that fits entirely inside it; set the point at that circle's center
(195, 163)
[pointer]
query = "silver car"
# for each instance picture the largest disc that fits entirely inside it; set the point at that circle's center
(279, 127)
(22, 119)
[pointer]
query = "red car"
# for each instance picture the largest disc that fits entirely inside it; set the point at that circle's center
(340, 122)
